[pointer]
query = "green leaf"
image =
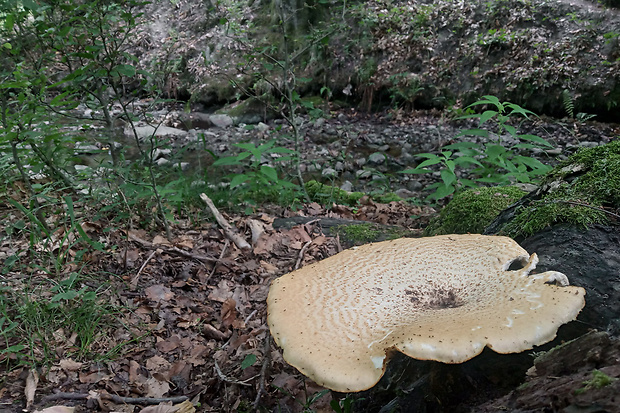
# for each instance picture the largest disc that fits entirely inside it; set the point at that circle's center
(269, 172)
(536, 139)
(238, 180)
(443, 191)
(448, 177)
(466, 160)
(474, 132)
(228, 160)
(9, 22)
(124, 70)
(493, 151)
(510, 129)
(248, 361)
(416, 171)
(428, 162)
(486, 115)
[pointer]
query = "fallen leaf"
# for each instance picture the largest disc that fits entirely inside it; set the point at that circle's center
(156, 388)
(159, 293)
(70, 365)
(229, 312)
(31, 387)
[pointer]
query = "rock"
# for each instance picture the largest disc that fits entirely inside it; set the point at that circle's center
(347, 186)
(329, 173)
(262, 127)
(160, 153)
(405, 193)
(145, 132)
(339, 166)
(319, 122)
(363, 174)
(377, 158)
(221, 121)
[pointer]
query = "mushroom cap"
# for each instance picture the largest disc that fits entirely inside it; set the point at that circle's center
(440, 298)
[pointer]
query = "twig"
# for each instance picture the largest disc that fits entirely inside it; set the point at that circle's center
(230, 379)
(228, 230)
(263, 370)
(134, 280)
(248, 318)
(113, 397)
(226, 244)
(172, 249)
(302, 252)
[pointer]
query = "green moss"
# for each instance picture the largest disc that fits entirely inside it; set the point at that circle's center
(577, 191)
(359, 234)
(471, 211)
(326, 194)
(598, 381)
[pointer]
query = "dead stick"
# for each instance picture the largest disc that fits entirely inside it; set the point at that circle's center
(113, 397)
(263, 371)
(173, 250)
(230, 379)
(301, 254)
(228, 230)
(226, 244)
(134, 280)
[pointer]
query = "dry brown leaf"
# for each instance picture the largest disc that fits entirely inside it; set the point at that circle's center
(222, 292)
(169, 344)
(159, 293)
(228, 312)
(31, 387)
(159, 240)
(157, 364)
(156, 388)
(70, 365)
(94, 377)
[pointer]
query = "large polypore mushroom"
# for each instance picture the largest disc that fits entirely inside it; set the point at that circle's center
(439, 298)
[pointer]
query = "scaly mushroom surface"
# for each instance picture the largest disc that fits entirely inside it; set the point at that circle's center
(440, 298)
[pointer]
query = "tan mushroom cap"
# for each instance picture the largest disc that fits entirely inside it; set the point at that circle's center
(439, 298)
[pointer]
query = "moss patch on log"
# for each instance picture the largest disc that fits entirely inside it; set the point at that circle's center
(582, 191)
(471, 211)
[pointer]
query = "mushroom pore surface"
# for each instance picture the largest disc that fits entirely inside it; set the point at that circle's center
(440, 298)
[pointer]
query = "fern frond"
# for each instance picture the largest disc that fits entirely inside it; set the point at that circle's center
(569, 104)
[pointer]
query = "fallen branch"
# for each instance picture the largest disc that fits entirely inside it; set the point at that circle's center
(226, 244)
(171, 249)
(134, 280)
(113, 398)
(230, 379)
(263, 371)
(302, 252)
(230, 233)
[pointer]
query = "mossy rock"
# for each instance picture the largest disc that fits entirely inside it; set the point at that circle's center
(471, 211)
(582, 191)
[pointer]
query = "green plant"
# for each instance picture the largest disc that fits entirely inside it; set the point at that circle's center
(342, 406)
(491, 162)
(258, 180)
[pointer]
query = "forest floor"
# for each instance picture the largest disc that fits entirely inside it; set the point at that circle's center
(188, 317)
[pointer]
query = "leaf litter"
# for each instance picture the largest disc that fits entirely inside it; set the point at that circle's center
(191, 325)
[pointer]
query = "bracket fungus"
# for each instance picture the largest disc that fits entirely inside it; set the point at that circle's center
(440, 298)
